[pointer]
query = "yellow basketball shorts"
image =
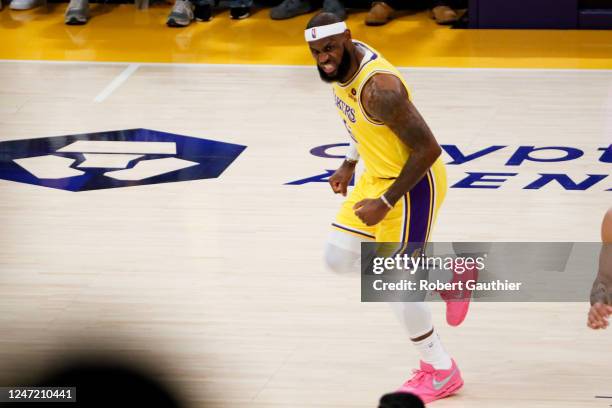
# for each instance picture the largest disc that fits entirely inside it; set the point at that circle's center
(411, 218)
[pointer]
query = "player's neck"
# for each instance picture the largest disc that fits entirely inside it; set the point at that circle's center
(357, 55)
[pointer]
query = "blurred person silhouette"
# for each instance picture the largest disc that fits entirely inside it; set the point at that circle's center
(107, 383)
(400, 400)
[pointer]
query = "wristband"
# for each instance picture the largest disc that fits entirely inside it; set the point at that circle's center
(387, 203)
(352, 154)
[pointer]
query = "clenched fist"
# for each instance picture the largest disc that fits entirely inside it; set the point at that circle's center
(341, 178)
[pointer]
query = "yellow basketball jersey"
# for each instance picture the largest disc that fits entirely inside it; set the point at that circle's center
(383, 153)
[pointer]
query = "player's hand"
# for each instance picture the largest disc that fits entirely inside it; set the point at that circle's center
(598, 316)
(371, 210)
(341, 178)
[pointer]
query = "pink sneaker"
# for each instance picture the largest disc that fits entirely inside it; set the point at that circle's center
(458, 301)
(430, 384)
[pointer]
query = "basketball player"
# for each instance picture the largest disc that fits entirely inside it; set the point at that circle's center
(402, 188)
(601, 294)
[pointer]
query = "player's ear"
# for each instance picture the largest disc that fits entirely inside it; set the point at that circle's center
(347, 41)
(347, 35)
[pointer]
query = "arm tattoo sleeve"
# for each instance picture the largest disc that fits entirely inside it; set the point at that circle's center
(387, 101)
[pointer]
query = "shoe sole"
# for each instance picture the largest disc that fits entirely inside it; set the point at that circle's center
(74, 21)
(451, 390)
(174, 23)
(242, 17)
(447, 393)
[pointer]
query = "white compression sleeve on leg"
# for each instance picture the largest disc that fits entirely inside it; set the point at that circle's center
(342, 252)
(415, 316)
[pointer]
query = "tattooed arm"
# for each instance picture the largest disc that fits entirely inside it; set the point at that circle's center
(385, 99)
(601, 293)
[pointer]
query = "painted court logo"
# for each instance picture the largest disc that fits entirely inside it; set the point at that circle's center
(518, 167)
(122, 158)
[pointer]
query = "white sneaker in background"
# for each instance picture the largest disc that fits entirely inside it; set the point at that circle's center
(26, 4)
(77, 12)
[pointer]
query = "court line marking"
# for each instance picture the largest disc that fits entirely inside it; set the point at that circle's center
(116, 83)
(284, 66)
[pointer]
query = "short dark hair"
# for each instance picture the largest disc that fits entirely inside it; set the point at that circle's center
(323, 18)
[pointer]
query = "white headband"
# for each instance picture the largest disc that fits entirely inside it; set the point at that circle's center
(316, 33)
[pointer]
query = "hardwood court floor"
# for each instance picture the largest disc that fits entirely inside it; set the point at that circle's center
(221, 281)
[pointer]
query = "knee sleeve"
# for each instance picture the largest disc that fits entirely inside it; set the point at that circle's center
(340, 260)
(342, 252)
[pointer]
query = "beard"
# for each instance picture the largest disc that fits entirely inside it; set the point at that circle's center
(341, 71)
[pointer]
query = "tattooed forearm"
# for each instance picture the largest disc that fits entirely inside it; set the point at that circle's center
(602, 286)
(601, 292)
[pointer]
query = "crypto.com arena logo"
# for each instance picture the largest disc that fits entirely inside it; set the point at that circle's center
(121, 158)
(510, 159)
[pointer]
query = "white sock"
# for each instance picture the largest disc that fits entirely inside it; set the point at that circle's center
(432, 352)
(416, 317)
